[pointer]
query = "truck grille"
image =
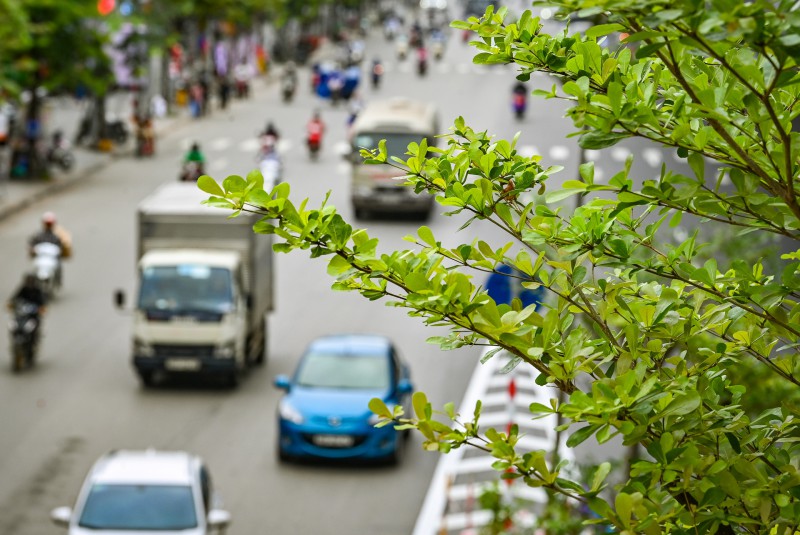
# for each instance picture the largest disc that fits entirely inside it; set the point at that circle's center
(183, 351)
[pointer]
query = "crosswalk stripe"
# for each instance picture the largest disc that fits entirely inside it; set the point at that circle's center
(220, 143)
(559, 152)
(652, 156)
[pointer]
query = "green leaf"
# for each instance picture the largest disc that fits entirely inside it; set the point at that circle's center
(234, 184)
(683, 404)
(377, 406)
(581, 435)
(209, 185)
(595, 140)
(603, 29)
(420, 403)
(426, 236)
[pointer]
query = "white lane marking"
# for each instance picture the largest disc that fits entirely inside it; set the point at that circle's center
(249, 145)
(221, 143)
(343, 169)
(620, 153)
(186, 143)
(253, 145)
(592, 154)
(559, 152)
(284, 145)
(445, 68)
(463, 68)
(404, 68)
(652, 157)
(599, 175)
(218, 165)
(341, 148)
(527, 151)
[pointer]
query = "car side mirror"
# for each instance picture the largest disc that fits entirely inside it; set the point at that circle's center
(404, 386)
(218, 519)
(119, 298)
(61, 516)
(282, 382)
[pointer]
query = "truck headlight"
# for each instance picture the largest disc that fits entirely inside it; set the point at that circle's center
(142, 348)
(289, 413)
(225, 351)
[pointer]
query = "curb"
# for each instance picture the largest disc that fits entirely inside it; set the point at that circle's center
(59, 186)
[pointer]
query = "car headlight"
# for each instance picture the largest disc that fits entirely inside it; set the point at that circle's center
(142, 348)
(225, 351)
(289, 413)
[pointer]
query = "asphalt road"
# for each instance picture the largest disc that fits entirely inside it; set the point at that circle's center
(82, 399)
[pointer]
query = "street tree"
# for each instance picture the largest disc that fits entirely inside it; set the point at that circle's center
(638, 335)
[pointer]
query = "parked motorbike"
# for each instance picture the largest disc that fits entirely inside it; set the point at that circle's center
(191, 171)
(117, 130)
(47, 267)
(23, 333)
(59, 152)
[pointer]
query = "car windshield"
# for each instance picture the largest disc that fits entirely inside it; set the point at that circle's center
(139, 507)
(186, 288)
(396, 144)
(340, 370)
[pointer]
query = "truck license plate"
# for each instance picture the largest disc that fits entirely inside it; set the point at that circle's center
(333, 441)
(182, 365)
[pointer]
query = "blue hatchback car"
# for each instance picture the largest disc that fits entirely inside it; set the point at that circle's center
(325, 413)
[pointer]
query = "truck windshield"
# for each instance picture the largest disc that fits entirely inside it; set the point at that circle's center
(396, 144)
(186, 289)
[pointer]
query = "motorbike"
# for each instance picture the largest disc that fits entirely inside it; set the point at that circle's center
(422, 66)
(47, 267)
(23, 333)
(60, 154)
(314, 145)
(377, 73)
(271, 169)
(145, 142)
(191, 171)
(117, 130)
(402, 46)
(519, 104)
(288, 87)
(437, 49)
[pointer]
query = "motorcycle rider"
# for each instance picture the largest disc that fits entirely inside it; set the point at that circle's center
(422, 60)
(315, 129)
(50, 234)
(519, 98)
(377, 72)
(193, 163)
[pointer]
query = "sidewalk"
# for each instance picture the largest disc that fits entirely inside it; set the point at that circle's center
(64, 114)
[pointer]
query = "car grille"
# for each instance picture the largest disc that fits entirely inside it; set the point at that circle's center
(183, 350)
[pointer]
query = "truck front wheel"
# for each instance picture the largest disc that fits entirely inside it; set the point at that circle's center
(146, 376)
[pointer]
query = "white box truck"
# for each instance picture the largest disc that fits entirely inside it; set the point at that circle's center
(205, 285)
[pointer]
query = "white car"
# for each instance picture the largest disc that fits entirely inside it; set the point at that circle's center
(138, 492)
